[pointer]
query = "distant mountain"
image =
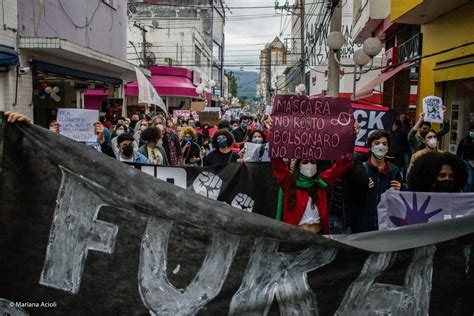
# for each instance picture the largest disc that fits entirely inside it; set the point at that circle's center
(246, 83)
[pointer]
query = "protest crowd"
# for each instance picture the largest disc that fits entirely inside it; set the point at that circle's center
(320, 196)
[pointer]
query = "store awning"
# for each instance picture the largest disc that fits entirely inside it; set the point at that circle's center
(8, 56)
(73, 73)
(169, 86)
(64, 53)
(368, 89)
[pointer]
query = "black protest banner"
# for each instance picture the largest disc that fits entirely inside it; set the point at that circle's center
(83, 234)
(371, 117)
(250, 187)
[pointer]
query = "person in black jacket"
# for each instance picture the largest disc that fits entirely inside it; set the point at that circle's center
(399, 146)
(191, 149)
(466, 152)
(382, 175)
(345, 195)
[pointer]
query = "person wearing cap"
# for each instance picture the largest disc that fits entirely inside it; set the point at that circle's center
(127, 152)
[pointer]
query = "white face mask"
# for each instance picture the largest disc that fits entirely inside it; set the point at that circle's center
(161, 127)
(143, 127)
(432, 143)
(379, 150)
(119, 132)
(471, 134)
(309, 170)
(257, 140)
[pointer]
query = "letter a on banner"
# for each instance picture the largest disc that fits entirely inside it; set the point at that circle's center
(146, 92)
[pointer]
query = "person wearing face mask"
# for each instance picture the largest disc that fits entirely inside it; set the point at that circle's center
(198, 137)
(153, 150)
(261, 154)
(141, 126)
(438, 172)
(241, 134)
(429, 144)
(222, 140)
(126, 152)
(171, 143)
(422, 128)
(303, 196)
(206, 136)
(191, 150)
(119, 129)
(382, 176)
(465, 150)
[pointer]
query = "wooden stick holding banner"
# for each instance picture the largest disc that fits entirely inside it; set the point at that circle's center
(312, 128)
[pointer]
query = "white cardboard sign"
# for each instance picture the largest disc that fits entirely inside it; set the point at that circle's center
(78, 124)
(432, 107)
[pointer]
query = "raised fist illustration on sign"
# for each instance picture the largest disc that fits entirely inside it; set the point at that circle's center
(243, 201)
(208, 184)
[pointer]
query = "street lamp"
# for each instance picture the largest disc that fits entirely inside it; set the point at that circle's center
(371, 48)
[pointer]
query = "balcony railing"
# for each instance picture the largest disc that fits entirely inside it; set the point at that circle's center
(409, 49)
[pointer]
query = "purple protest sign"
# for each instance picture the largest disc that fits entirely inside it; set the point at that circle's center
(312, 128)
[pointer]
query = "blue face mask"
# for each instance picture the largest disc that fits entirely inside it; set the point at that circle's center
(471, 134)
(188, 139)
(245, 125)
(222, 142)
(192, 125)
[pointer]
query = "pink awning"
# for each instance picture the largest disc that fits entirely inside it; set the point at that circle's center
(368, 89)
(169, 86)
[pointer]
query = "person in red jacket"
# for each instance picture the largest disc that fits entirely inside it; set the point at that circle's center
(304, 203)
(303, 197)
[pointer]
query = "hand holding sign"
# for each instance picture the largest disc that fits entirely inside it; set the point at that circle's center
(433, 109)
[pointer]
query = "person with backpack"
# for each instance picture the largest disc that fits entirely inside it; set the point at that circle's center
(382, 176)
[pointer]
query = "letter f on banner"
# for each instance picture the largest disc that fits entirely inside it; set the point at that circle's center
(74, 231)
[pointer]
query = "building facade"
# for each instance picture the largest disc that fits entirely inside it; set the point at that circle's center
(186, 33)
(273, 61)
(62, 50)
(447, 63)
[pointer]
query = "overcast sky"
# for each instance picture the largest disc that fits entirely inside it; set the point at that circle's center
(247, 29)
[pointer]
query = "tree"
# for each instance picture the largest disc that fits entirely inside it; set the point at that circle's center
(232, 83)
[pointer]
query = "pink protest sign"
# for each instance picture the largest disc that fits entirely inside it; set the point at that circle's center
(312, 128)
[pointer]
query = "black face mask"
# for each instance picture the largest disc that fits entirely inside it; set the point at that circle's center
(445, 186)
(127, 150)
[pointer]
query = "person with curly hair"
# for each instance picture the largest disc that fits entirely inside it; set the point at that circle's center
(437, 172)
(190, 147)
(153, 148)
(222, 140)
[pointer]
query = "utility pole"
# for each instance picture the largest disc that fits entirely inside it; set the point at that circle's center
(143, 29)
(333, 66)
(303, 56)
(268, 66)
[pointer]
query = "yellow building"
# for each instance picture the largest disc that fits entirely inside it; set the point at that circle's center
(447, 64)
